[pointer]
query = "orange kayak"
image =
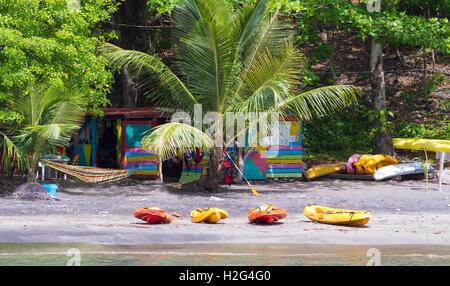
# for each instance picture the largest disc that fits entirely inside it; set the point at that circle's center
(266, 214)
(153, 215)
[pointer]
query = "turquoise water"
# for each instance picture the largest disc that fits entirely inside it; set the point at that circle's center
(54, 254)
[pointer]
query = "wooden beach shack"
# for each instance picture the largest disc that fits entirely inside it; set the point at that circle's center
(113, 141)
(283, 160)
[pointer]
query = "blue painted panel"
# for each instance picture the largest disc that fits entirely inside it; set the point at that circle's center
(142, 167)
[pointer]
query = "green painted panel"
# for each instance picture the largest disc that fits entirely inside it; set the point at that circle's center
(284, 175)
(134, 134)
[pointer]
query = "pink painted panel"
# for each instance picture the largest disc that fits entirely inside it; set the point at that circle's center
(134, 150)
(284, 166)
(284, 148)
(259, 161)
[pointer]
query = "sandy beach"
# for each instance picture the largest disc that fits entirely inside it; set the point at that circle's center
(103, 214)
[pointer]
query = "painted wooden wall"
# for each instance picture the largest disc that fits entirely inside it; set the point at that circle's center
(133, 157)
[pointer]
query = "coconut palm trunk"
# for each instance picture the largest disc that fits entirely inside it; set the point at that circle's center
(227, 61)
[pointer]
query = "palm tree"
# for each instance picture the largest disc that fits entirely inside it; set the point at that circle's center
(228, 60)
(48, 117)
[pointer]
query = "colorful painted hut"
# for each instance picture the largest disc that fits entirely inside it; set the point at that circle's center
(114, 141)
(282, 159)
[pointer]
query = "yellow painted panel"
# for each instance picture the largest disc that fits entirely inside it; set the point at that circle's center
(144, 158)
(146, 172)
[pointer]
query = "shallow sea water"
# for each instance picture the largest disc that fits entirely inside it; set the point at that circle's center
(57, 254)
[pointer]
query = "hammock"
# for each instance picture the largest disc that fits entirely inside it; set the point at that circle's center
(90, 174)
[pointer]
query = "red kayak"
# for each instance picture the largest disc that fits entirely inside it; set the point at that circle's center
(153, 215)
(266, 214)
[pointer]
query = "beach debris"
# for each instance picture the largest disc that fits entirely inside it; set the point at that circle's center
(176, 214)
(153, 215)
(266, 214)
(208, 215)
(31, 192)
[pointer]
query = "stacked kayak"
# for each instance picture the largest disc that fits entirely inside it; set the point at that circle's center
(368, 164)
(266, 214)
(350, 165)
(336, 216)
(400, 170)
(325, 169)
(209, 215)
(153, 215)
(434, 145)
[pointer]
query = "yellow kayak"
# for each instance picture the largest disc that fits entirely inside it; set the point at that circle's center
(209, 215)
(422, 144)
(336, 216)
(322, 170)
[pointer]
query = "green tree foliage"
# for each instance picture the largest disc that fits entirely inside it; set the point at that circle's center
(44, 40)
(392, 24)
(161, 6)
(341, 134)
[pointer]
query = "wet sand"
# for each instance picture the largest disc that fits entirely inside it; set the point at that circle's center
(103, 214)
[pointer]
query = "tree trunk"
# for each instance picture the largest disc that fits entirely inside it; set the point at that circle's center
(33, 165)
(210, 181)
(241, 163)
(241, 159)
(330, 42)
(383, 140)
(129, 90)
(132, 13)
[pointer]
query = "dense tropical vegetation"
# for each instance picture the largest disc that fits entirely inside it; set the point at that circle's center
(397, 55)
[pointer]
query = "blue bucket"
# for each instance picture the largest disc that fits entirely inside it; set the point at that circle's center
(51, 188)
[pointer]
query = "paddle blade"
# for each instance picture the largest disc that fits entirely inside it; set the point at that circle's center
(254, 191)
(250, 211)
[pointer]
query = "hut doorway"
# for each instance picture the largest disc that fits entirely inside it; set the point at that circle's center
(107, 144)
(172, 168)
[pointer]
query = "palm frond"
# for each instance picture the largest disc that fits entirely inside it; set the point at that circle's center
(269, 81)
(50, 117)
(173, 139)
(204, 55)
(267, 34)
(152, 73)
(12, 154)
(320, 101)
